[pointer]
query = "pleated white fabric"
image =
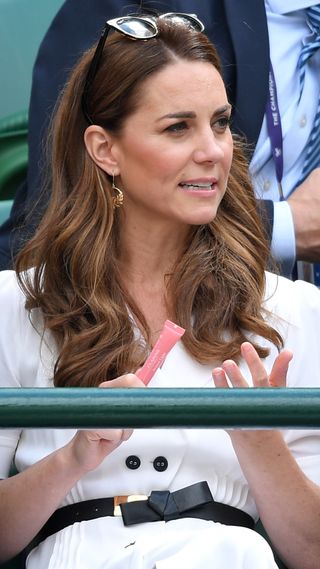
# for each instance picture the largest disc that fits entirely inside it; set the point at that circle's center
(185, 544)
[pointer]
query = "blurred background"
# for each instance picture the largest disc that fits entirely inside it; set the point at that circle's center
(23, 24)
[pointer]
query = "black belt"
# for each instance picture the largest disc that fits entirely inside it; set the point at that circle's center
(194, 501)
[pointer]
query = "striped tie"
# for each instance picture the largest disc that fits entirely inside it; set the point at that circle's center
(312, 159)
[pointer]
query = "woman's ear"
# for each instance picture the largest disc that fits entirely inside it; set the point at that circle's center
(99, 145)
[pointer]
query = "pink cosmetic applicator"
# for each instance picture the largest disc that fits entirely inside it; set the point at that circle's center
(170, 335)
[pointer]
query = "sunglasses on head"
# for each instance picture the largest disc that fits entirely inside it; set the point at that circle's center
(137, 28)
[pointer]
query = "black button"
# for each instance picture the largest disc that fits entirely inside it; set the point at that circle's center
(160, 463)
(133, 462)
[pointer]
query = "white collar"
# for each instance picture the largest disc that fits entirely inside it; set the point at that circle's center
(287, 6)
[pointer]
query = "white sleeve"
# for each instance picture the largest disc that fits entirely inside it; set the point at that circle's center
(23, 344)
(10, 329)
(283, 243)
(11, 351)
(298, 305)
(305, 445)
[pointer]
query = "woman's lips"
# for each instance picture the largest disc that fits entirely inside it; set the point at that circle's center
(200, 187)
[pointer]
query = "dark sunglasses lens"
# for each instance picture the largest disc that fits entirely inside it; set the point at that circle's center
(136, 27)
(189, 20)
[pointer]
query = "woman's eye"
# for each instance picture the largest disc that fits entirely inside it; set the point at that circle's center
(222, 124)
(177, 127)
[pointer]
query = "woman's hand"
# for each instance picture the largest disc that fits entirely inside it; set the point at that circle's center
(89, 448)
(290, 512)
(230, 372)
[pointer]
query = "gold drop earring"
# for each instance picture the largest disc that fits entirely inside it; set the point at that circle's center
(117, 199)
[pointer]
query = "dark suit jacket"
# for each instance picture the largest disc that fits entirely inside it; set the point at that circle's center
(237, 28)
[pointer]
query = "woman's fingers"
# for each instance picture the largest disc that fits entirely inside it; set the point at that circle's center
(90, 447)
(112, 436)
(255, 365)
(278, 375)
(229, 373)
(234, 374)
(127, 380)
(219, 377)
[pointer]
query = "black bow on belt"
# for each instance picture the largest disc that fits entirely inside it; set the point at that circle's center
(194, 501)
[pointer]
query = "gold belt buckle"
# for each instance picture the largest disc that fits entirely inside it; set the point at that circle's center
(117, 500)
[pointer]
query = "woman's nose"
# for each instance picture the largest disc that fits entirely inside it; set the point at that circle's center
(208, 148)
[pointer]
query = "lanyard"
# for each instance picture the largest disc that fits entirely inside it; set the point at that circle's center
(275, 129)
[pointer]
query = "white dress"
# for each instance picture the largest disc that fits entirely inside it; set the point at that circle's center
(192, 455)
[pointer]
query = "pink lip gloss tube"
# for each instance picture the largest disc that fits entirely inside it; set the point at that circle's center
(169, 336)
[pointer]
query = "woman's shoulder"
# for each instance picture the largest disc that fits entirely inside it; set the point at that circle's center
(9, 287)
(24, 348)
(288, 298)
(12, 297)
(278, 285)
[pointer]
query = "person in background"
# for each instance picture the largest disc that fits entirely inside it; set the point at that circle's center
(152, 216)
(248, 35)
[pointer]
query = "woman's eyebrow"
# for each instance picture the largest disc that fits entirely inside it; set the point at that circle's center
(192, 114)
(179, 115)
(223, 109)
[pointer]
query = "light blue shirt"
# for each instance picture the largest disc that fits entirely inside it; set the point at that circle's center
(288, 30)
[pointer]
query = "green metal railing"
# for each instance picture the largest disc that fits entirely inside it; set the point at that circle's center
(144, 408)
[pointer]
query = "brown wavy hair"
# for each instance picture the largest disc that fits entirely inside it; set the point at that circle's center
(217, 285)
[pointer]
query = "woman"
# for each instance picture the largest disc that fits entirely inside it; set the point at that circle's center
(153, 217)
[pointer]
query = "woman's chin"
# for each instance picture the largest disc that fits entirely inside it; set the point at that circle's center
(203, 217)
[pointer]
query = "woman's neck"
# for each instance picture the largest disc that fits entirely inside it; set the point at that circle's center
(149, 254)
(147, 261)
